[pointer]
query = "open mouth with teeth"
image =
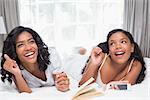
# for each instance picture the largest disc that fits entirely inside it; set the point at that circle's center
(119, 54)
(29, 54)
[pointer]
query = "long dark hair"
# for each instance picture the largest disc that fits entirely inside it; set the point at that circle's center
(137, 54)
(9, 48)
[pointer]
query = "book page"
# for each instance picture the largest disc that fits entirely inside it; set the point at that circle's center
(88, 90)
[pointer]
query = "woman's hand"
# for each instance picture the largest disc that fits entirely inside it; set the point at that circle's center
(62, 82)
(96, 56)
(11, 66)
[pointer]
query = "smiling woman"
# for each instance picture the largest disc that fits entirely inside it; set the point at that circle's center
(26, 60)
(122, 62)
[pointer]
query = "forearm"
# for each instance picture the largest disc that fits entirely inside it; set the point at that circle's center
(91, 71)
(21, 84)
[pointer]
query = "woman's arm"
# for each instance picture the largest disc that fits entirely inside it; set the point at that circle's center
(21, 83)
(91, 71)
(92, 67)
(132, 76)
(11, 66)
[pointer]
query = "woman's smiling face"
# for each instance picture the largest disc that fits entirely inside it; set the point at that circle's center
(120, 47)
(26, 48)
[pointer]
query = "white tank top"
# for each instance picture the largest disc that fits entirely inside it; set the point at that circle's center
(98, 80)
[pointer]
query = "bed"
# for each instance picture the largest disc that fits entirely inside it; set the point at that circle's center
(73, 65)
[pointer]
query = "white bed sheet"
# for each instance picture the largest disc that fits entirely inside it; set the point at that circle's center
(137, 92)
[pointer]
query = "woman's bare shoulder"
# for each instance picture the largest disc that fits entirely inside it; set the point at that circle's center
(137, 63)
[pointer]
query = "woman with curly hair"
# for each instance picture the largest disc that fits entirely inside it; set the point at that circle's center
(117, 59)
(27, 60)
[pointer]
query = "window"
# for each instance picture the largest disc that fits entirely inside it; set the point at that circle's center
(70, 23)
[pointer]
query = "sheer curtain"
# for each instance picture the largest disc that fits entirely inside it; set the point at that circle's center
(72, 23)
(10, 13)
(137, 21)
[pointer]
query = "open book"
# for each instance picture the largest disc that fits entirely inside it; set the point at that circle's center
(87, 90)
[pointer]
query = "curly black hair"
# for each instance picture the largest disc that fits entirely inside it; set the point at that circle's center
(9, 48)
(137, 54)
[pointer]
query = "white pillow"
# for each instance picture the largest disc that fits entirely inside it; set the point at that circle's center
(74, 64)
(147, 65)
